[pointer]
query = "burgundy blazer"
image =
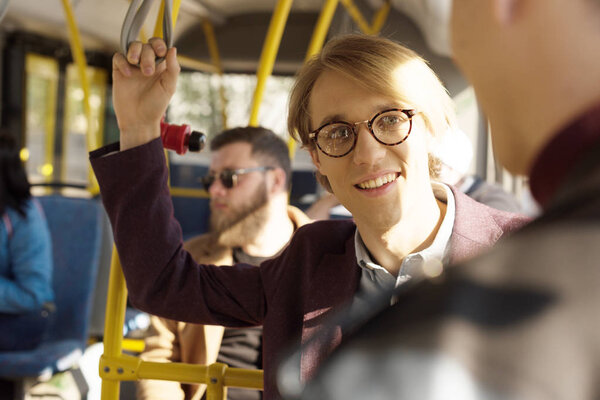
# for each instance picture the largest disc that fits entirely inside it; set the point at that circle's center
(290, 295)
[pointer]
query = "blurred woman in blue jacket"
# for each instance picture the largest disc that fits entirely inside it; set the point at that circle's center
(25, 256)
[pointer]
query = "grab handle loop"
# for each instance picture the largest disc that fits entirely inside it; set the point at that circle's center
(134, 20)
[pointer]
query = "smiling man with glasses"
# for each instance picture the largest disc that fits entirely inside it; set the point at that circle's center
(522, 321)
(250, 221)
(405, 225)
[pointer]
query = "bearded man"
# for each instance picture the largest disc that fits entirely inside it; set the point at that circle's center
(251, 221)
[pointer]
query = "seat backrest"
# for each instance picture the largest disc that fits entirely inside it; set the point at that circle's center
(75, 228)
(192, 213)
(304, 188)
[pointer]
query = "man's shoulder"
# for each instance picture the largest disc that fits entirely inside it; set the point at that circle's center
(328, 228)
(297, 216)
(472, 210)
(328, 235)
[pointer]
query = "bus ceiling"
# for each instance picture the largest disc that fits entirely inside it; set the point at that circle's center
(240, 26)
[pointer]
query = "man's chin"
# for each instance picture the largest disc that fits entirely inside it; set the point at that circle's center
(220, 223)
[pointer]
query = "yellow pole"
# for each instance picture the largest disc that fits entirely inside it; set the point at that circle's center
(321, 29)
(380, 17)
(79, 58)
(215, 384)
(269, 52)
(158, 32)
(357, 16)
(113, 322)
(316, 43)
(158, 25)
(197, 65)
(213, 49)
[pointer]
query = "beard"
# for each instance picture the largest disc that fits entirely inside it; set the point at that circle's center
(244, 224)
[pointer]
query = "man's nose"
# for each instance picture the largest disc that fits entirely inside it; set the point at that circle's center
(367, 150)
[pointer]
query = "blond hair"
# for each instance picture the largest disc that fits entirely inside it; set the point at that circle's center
(377, 64)
(382, 66)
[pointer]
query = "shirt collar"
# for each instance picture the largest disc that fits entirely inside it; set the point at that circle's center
(436, 252)
(554, 163)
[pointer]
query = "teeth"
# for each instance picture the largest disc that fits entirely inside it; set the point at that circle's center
(375, 183)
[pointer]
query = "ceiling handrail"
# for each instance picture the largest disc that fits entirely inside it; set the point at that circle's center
(134, 20)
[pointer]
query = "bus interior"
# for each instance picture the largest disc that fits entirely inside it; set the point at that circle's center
(238, 63)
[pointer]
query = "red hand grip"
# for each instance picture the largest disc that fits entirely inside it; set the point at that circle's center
(175, 137)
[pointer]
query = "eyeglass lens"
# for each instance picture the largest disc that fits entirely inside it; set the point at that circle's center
(390, 127)
(226, 177)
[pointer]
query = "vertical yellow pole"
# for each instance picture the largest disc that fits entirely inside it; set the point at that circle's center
(269, 52)
(321, 29)
(113, 322)
(316, 43)
(215, 58)
(158, 32)
(79, 58)
(158, 25)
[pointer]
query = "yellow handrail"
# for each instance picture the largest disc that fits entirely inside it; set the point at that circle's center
(197, 65)
(79, 57)
(113, 324)
(268, 55)
(357, 16)
(321, 28)
(158, 32)
(315, 45)
(380, 17)
(124, 367)
(189, 192)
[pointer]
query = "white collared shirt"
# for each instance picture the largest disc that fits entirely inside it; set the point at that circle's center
(375, 279)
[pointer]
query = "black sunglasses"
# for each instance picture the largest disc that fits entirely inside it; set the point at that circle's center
(229, 177)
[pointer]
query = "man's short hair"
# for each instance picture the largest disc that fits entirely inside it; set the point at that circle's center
(266, 145)
(379, 65)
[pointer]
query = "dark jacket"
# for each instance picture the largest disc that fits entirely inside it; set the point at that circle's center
(290, 295)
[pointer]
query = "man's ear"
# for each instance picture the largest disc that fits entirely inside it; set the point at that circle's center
(506, 10)
(279, 180)
(314, 155)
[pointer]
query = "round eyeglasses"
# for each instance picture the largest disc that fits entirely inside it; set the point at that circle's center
(229, 177)
(388, 127)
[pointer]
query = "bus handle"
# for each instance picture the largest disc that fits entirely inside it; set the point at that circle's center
(181, 138)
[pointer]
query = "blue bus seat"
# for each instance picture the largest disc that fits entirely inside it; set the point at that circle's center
(304, 188)
(75, 228)
(192, 213)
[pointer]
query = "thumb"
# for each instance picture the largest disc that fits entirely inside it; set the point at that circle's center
(172, 72)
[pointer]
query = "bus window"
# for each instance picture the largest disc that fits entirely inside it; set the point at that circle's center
(41, 90)
(74, 146)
